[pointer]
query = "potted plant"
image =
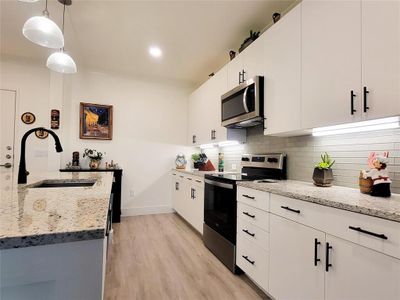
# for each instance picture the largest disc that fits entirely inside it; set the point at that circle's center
(197, 161)
(94, 157)
(323, 175)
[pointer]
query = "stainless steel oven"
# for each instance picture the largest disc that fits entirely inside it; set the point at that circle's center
(244, 105)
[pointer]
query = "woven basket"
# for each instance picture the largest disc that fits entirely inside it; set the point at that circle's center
(365, 184)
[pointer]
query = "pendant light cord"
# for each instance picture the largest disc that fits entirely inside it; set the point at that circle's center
(46, 12)
(63, 19)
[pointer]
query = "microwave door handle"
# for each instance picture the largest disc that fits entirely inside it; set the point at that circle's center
(244, 100)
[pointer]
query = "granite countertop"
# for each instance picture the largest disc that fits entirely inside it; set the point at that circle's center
(42, 216)
(338, 197)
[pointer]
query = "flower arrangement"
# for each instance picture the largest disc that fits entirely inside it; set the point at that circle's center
(93, 154)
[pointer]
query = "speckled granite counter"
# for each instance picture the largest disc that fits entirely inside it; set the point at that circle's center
(336, 196)
(40, 216)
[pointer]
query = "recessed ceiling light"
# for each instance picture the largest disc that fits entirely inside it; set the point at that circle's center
(155, 52)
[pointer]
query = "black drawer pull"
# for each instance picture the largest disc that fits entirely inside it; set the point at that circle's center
(249, 215)
(250, 197)
(359, 229)
(316, 259)
(352, 96)
(327, 264)
(249, 233)
(247, 258)
(199, 181)
(291, 209)
(365, 92)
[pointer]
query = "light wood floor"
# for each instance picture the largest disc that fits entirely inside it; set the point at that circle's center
(160, 257)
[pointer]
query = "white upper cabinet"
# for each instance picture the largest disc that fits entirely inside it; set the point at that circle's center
(195, 122)
(331, 63)
(381, 58)
(282, 53)
(247, 64)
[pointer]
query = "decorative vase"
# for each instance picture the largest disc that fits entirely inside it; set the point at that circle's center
(323, 177)
(94, 164)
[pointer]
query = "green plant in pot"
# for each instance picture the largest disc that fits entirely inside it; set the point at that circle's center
(197, 161)
(323, 175)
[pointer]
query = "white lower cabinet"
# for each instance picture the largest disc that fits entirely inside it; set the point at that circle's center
(188, 198)
(296, 260)
(297, 250)
(359, 273)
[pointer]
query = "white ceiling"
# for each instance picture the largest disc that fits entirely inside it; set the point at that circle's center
(114, 36)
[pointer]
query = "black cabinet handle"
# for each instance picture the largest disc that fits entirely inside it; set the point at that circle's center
(194, 194)
(352, 96)
(177, 186)
(378, 235)
(248, 232)
(365, 92)
(243, 72)
(249, 215)
(327, 264)
(188, 178)
(247, 258)
(250, 197)
(240, 77)
(191, 193)
(291, 209)
(316, 259)
(194, 139)
(199, 181)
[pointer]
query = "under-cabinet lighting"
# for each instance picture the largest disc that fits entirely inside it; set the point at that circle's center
(207, 146)
(155, 51)
(228, 143)
(371, 125)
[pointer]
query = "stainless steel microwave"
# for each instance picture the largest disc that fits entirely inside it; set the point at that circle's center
(244, 105)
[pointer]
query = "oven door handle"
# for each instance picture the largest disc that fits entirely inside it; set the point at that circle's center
(245, 100)
(219, 184)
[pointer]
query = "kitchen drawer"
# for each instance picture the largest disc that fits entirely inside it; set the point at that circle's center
(371, 232)
(253, 215)
(337, 222)
(253, 197)
(245, 230)
(198, 181)
(253, 260)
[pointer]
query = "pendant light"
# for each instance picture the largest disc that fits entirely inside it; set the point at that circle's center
(60, 61)
(43, 31)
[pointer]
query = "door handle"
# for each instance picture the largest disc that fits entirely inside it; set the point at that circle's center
(247, 258)
(316, 259)
(352, 96)
(327, 264)
(249, 197)
(245, 100)
(248, 232)
(291, 209)
(378, 235)
(249, 215)
(6, 165)
(366, 92)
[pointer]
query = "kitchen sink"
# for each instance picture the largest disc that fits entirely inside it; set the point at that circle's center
(56, 183)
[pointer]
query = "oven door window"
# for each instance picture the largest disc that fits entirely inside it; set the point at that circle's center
(220, 210)
(238, 104)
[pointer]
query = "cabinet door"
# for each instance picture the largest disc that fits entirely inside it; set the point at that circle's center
(197, 208)
(253, 58)
(282, 104)
(381, 57)
(196, 125)
(174, 190)
(235, 67)
(331, 62)
(358, 273)
(177, 200)
(293, 274)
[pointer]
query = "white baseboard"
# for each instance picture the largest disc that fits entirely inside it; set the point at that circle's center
(146, 210)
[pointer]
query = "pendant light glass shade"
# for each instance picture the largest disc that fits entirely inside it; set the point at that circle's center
(44, 32)
(61, 62)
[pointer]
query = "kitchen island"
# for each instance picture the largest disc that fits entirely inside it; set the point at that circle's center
(53, 240)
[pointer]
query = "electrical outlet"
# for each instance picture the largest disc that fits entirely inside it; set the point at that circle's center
(233, 167)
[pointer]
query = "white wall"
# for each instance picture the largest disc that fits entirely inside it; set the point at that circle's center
(149, 127)
(38, 91)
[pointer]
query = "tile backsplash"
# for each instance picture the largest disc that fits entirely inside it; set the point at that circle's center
(349, 150)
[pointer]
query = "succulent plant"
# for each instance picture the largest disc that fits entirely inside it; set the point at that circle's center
(326, 162)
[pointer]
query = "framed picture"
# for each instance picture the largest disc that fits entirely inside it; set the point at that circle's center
(95, 121)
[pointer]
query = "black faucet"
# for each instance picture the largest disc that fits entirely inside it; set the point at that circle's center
(22, 172)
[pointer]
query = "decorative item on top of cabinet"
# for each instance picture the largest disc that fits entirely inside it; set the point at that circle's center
(253, 36)
(75, 159)
(232, 54)
(180, 161)
(111, 165)
(211, 75)
(276, 17)
(323, 175)
(378, 174)
(94, 156)
(55, 119)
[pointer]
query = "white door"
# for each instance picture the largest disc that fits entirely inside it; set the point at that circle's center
(359, 273)
(331, 62)
(253, 58)
(196, 211)
(381, 57)
(195, 121)
(7, 131)
(235, 68)
(293, 250)
(282, 104)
